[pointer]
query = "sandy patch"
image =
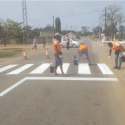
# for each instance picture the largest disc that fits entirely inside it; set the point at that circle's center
(28, 49)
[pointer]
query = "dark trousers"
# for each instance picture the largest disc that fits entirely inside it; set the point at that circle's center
(67, 45)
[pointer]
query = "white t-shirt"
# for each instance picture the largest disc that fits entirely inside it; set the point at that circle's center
(55, 42)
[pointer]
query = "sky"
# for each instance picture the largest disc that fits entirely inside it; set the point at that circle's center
(40, 13)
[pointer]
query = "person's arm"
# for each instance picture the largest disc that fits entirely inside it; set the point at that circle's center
(57, 50)
(110, 51)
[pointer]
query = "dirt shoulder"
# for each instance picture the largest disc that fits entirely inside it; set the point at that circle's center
(103, 53)
(28, 49)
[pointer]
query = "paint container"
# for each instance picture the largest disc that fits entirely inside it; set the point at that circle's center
(52, 69)
(75, 62)
(73, 57)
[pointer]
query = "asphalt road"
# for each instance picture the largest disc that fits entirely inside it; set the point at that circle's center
(87, 96)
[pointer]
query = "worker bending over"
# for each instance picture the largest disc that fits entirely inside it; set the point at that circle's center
(83, 50)
(119, 48)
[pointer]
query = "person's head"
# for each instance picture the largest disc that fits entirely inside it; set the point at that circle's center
(110, 44)
(82, 43)
(57, 36)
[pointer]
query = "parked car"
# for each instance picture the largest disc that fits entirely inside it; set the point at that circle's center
(73, 42)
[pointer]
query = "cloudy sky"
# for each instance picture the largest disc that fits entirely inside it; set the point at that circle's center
(72, 13)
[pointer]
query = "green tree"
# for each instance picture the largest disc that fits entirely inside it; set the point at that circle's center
(58, 25)
(12, 28)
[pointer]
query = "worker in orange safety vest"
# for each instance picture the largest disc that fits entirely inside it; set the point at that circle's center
(58, 53)
(83, 50)
(119, 48)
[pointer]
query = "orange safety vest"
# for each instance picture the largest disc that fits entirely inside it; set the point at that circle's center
(67, 39)
(82, 46)
(58, 46)
(116, 47)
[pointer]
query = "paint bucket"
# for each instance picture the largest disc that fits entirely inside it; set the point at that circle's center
(52, 69)
(73, 57)
(75, 62)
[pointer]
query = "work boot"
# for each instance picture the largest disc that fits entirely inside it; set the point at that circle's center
(119, 68)
(116, 67)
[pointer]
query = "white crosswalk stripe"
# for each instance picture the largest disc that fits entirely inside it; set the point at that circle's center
(65, 68)
(83, 68)
(19, 70)
(104, 69)
(41, 68)
(7, 67)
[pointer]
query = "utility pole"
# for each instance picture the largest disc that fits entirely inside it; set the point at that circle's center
(66, 29)
(53, 26)
(25, 22)
(105, 18)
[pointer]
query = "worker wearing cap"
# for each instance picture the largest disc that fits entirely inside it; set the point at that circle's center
(119, 48)
(34, 42)
(83, 50)
(58, 53)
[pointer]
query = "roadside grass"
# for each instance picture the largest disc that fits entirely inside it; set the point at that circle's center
(8, 52)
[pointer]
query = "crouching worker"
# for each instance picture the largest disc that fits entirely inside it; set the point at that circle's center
(119, 48)
(83, 50)
(58, 53)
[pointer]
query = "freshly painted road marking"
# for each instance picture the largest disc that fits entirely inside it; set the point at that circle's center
(57, 78)
(7, 67)
(104, 69)
(65, 68)
(83, 68)
(17, 71)
(41, 68)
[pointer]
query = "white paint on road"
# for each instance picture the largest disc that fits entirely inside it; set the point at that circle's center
(57, 78)
(104, 69)
(12, 87)
(17, 71)
(83, 68)
(65, 68)
(41, 68)
(7, 67)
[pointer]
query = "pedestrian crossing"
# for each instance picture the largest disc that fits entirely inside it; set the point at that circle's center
(82, 68)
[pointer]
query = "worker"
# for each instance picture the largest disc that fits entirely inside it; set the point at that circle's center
(58, 53)
(44, 43)
(34, 42)
(83, 50)
(67, 41)
(119, 48)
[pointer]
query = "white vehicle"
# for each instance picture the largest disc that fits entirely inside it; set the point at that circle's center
(73, 42)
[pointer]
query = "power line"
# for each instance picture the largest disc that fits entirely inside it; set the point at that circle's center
(52, 8)
(42, 7)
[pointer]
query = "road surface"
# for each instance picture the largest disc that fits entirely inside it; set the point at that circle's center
(89, 95)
